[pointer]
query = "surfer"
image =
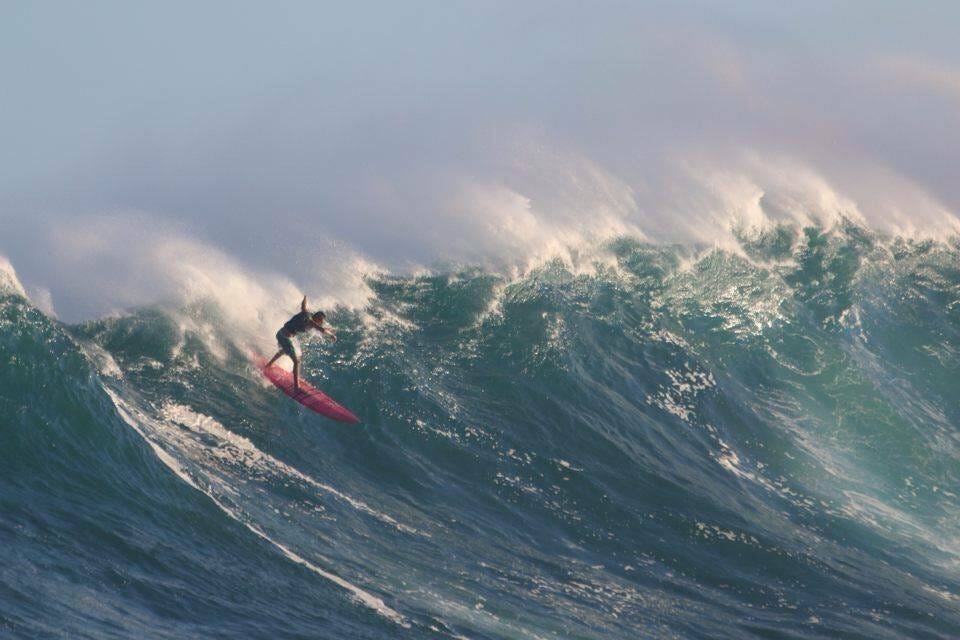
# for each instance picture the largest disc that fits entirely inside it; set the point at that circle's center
(300, 323)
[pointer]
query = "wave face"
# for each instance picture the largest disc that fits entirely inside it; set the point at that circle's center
(672, 443)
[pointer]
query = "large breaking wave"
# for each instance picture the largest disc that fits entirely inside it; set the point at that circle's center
(665, 441)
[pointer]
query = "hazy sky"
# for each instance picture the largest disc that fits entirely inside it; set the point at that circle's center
(290, 136)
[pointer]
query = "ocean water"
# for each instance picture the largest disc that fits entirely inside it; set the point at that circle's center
(663, 442)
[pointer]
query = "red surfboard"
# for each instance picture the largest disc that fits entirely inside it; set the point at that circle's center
(309, 396)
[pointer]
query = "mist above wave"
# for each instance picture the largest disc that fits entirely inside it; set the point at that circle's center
(533, 203)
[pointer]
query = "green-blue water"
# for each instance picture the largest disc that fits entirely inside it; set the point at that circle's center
(681, 443)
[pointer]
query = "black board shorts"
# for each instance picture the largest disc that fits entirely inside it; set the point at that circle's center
(286, 344)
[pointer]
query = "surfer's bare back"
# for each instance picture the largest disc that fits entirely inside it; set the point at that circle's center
(300, 323)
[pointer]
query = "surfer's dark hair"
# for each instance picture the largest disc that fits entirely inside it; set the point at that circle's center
(319, 314)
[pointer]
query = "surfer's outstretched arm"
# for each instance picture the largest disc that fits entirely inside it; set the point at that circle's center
(322, 329)
(303, 305)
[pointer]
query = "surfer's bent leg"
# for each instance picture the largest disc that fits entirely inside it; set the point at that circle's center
(286, 347)
(274, 358)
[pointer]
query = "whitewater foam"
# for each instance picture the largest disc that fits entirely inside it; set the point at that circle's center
(127, 412)
(8, 278)
(236, 448)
